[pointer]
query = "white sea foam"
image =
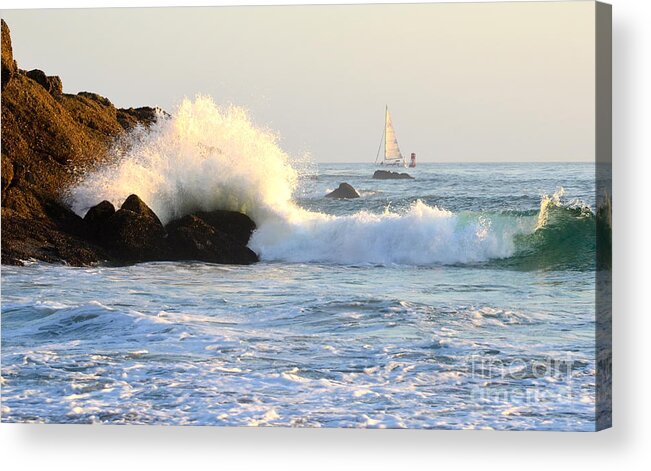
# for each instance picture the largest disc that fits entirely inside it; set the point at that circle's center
(297, 345)
(421, 235)
(206, 157)
(203, 158)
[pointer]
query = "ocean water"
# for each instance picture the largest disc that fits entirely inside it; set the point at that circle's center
(464, 298)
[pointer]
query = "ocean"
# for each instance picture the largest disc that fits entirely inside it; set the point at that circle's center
(464, 298)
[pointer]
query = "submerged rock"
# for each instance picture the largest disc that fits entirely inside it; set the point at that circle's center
(344, 191)
(388, 175)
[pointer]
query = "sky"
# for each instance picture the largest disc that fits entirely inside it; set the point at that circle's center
(483, 82)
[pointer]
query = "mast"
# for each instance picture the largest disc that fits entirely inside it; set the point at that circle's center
(383, 139)
(386, 121)
(377, 156)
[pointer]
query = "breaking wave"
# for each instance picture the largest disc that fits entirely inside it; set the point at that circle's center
(203, 158)
(206, 157)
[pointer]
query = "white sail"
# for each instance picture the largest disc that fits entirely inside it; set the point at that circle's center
(391, 148)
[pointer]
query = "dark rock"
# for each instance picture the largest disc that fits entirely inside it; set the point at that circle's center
(237, 225)
(49, 240)
(192, 238)
(344, 191)
(387, 175)
(96, 218)
(64, 219)
(52, 85)
(138, 206)
(134, 233)
(36, 239)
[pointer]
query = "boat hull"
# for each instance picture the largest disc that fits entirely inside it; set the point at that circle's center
(393, 164)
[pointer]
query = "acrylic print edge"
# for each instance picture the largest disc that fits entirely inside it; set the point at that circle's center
(603, 187)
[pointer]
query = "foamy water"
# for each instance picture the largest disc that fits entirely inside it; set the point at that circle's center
(295, 344)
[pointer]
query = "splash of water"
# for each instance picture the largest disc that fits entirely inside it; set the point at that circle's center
(203, 158)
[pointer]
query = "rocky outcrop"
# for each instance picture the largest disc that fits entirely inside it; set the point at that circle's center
(237, 225)
(195, 238)
(48, 135)
(46, 242)
(388, 175)
(48, 138)
(9, 67)
(52, 85)
(343, 191)
(135, 234)
(131, 117)
(96, 218)
(62, 237)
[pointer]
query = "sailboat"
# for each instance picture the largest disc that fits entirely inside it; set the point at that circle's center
(392, 155)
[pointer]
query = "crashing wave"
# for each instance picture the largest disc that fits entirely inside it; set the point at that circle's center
(206, 157)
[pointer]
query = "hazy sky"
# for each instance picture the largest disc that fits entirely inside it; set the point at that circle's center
(464, 82)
